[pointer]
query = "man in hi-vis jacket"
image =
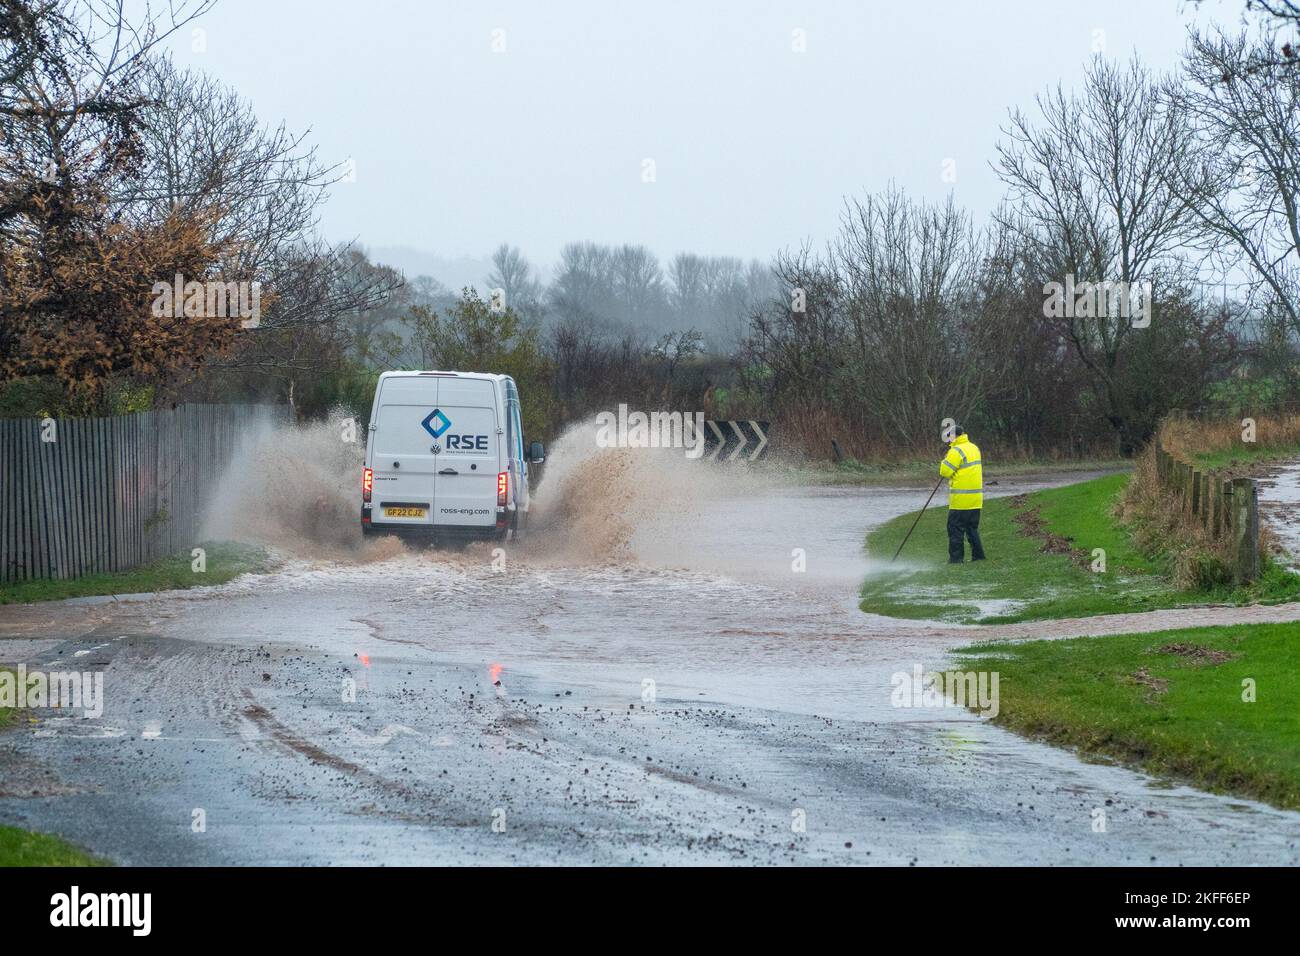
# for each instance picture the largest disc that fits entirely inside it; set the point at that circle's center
(965, 473)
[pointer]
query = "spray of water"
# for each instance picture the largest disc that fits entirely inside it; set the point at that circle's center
(296, 490)
(616, 505)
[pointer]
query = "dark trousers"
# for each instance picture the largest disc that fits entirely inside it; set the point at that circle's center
(966, 523)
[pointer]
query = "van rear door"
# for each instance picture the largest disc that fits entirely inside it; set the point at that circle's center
(403, 460)
(468, 462)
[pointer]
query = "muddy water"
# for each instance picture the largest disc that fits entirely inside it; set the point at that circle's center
(1279, 510)
(641, 565)
(646, 678)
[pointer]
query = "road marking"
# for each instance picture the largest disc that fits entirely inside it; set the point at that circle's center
(76, 727)
(383, 737)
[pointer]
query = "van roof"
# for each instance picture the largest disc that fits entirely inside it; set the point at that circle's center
(491, 376)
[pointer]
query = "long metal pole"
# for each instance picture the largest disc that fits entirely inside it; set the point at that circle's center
(914, 523)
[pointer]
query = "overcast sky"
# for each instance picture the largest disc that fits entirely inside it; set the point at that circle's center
(539, 134)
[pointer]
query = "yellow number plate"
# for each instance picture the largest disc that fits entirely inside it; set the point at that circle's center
(405, 512)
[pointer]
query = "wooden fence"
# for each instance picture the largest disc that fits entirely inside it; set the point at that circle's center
(82, 495)
(1225, 506)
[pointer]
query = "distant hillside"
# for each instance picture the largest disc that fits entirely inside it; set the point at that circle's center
(453, 273)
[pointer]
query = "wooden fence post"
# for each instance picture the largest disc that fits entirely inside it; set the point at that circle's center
(1227, 506)
(1216, 506)
(1245, 530)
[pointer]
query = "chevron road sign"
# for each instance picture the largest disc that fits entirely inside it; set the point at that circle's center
(738, 441)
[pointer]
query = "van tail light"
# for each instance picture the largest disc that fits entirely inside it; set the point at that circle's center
(503, 488)
(367, 483)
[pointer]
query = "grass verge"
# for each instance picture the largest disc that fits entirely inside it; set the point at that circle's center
(1170, 702)
(1226, 446)
(24, 848)
(6, 713)
(224, 560)
(922, 472)
(1041, 552)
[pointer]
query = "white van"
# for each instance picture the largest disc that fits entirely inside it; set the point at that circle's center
(446, 457)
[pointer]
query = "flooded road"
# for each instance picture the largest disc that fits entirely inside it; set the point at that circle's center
(1279, 511)
(706, 692)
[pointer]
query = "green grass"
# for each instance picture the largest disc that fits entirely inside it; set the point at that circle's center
(1241, 455)
(23, 848)
(1083, 693)
(922, 472)
(1019, 582)
(224, 561)
(6, 713)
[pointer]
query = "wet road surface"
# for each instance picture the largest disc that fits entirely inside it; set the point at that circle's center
(699, 702)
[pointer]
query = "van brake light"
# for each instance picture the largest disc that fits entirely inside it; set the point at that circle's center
(367, 483)
(503, 487)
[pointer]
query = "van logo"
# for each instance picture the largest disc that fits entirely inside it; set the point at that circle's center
(443, 423)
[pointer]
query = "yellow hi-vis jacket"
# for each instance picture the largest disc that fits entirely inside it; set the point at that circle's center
(965, 474)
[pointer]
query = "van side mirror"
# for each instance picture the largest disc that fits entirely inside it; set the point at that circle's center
(536, 453)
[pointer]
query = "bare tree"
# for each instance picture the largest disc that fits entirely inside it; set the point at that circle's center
(908, 273)
(583, 288)
(1092, 184)
(671, 351)
(513, 275)
(1242, 112)
(638, 286)
(206, 149)
(70, 100)
(715, 294)
(1287, 11)
(688, 279)
(322, 295)
(74, 271)
(1281, 19)
(793, 355)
